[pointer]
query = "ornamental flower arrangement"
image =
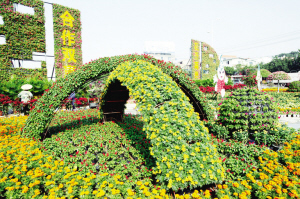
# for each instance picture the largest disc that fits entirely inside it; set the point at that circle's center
(63, 87)
(248, 110)
(178, 146)
(24, 73)
(286, 102)
(274, 89)
(279, 75)
(250, 80)
(210, 89)
(270, 180)
(11, 125)
(42, 174)
(4, 103)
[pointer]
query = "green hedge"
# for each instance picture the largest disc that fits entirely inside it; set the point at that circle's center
(294, 87)
(12, 87)
(210, 82)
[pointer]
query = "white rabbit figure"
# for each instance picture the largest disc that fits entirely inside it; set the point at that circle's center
(221, 79)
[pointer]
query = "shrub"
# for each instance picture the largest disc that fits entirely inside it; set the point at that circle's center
(210, 82)
(205, 82)
(12, 87)
(264, 73)
(294, 87)
(250, 80)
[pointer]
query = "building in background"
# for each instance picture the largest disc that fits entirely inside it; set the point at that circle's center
(232, 61)
(186, 65)
(162, 50)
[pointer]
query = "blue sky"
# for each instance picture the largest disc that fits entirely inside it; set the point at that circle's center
(247, 29)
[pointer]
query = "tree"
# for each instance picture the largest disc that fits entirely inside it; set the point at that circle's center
(229, 70)
(284, 62)
(279, 75)
(264, 73)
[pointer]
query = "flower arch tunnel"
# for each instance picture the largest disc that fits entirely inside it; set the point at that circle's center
(43, 112)
(174, 128)
(180, 142)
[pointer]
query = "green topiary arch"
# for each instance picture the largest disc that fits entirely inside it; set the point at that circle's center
(43, 111)
(180, 142)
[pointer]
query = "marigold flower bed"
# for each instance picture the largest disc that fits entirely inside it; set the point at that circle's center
(29, 169)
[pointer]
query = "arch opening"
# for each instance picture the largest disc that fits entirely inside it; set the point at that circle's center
(114, 102)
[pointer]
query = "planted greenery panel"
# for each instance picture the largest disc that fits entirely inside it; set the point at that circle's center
(24, 35)
(210, 61)
(248, 110)
(22, 73)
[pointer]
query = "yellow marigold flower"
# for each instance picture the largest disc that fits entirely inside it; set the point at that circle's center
(9, 188)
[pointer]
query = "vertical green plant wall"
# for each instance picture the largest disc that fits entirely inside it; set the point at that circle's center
(210, 61)
(67, 39)
(24, 34)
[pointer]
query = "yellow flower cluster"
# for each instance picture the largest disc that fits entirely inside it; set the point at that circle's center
(271, 179)
(26, 172)
(274, 89)
(289, 110)
(12, 124)
(170, 119)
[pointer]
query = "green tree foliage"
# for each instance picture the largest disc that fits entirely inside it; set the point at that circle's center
(265, 73)
(12, 87)
(294, 86)
(284, 62)
(229, 70)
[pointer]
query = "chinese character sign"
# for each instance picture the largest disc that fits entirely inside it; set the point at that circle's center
(195, 59)
(67, 33)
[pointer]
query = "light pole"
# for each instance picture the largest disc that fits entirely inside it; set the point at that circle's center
(212, 30)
